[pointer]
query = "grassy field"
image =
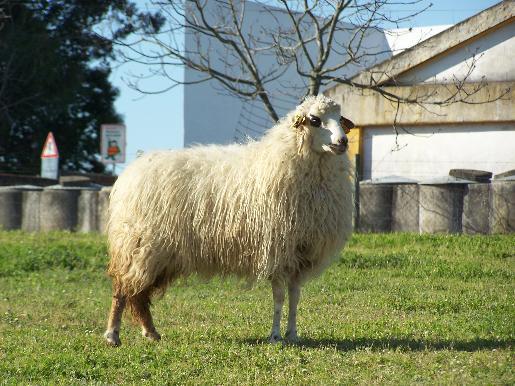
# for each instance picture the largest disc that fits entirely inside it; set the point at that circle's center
(394, 309)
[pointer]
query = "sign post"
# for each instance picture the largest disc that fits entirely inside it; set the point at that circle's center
(50, 158)
(112, 144)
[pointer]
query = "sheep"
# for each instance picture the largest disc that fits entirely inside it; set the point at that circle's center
(279, 209)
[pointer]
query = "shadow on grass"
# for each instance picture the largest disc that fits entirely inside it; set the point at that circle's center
(404, 344)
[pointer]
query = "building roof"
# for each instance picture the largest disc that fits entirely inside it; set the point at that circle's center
(400, 39)
(468, 30)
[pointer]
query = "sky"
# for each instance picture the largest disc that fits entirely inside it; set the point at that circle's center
(155, 121)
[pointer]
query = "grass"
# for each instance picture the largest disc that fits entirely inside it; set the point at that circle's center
(395, 308)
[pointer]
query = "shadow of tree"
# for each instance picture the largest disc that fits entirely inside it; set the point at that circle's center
(405, 344)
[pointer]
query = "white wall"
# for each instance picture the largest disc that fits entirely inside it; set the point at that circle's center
(426, 152)
(494, 59)
(400, 39)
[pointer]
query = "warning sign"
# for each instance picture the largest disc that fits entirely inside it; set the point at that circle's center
(50, 147)
(112, 143)
(50, 158)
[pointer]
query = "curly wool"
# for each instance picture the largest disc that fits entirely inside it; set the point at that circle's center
(265, 209)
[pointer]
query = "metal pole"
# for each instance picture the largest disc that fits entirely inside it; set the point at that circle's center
(357, 178)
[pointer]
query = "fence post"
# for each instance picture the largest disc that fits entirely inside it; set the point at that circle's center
(357, 179)
(10, 208)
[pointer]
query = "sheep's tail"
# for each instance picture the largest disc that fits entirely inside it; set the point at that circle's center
(131, 267)
(129, 283)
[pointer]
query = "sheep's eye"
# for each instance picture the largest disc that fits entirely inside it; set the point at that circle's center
(314, 121)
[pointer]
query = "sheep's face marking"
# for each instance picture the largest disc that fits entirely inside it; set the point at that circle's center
(328, 132)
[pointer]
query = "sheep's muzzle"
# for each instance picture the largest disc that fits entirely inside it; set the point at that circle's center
(338, 149)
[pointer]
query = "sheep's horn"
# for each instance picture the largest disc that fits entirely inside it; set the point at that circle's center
(299, 120)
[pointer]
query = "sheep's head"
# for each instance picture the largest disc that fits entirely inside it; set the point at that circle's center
(318, 118)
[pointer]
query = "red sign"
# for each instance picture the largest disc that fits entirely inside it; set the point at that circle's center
(50, 147)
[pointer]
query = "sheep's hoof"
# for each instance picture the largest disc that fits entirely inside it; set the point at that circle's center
(275, 338)
(292, 337)
(112, 338)
(152, 335)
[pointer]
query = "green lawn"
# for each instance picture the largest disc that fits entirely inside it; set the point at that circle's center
(394, 309)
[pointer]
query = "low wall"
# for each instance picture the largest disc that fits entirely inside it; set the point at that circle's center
(33, 208)
(450, 206)
(431, 207)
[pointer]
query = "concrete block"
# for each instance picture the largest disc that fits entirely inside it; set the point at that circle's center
(58, 209)
(375, 209)
(441, 208)
(502, 218)
(87, 211)
(103, 206)
(75, 181)
(471, 174)
(505, 175)
(10, 208)
(31, 197)
(476, 209)
(405, 203)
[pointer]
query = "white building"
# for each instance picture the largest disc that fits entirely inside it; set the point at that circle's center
(212, 115)
(476, 57)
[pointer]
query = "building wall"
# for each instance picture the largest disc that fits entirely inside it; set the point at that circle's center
(432, 139)
(212, 115)
(422, 152)
(494, 60)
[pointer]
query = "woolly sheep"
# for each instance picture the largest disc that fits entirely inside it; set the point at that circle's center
(279, 209)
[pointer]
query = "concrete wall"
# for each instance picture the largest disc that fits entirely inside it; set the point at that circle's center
(457, 207)
(34, 209)
(422, 152)
(399, 207)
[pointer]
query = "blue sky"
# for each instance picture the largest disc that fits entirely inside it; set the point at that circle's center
(155, 121)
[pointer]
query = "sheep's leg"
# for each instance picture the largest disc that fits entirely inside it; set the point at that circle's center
(278, 295)
(140, 305)
(112, 334)
(293, 301)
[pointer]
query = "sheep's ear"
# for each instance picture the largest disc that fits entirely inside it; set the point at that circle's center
(299, 120)
(346, 124)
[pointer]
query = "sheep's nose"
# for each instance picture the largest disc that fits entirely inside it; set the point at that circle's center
(343, 141)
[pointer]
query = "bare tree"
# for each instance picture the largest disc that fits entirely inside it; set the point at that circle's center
(323, 41)
(5, 65)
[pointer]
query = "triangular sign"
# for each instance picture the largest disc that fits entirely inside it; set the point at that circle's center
(50, 147)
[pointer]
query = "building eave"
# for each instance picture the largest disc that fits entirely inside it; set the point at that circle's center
(488, 102)
(462, 33)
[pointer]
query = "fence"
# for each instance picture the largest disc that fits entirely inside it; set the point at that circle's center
(450, 205)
